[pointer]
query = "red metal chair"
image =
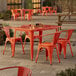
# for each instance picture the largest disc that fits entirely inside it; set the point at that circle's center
(29, 14)
(22, 71)
(49, 46)
(12, 40)
(54, 10)
(62, 42)
(15, 14)
(44, 11)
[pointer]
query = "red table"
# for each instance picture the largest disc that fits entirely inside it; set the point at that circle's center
(31, 30)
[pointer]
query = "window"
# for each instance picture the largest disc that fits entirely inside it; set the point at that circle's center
(36, 4)
(14, 4)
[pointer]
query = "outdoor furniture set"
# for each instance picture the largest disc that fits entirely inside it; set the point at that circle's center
(49, 46)
(27, 13)
(46, 10)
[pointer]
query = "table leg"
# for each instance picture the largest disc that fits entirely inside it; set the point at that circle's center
(13, 47)
(31, 44)
(40, 39)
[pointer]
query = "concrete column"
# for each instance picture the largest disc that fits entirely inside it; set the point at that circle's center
(3, 5)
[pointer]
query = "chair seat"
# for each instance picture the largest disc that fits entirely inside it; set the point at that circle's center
(46, 44)
(62, 40)
(17, 38)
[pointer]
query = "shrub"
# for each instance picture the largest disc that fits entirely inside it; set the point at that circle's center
(1, 15)
(7, 15)
(67, 72)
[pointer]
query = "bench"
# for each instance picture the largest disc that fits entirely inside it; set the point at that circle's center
(62, 20)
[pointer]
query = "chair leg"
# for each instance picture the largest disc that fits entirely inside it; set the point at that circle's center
(60, 48)
(28, 17)
(43, 14)
(55, 13)
(14, 18)
(46, 54)
(13, 48)
(46, 13)
(37, 54)
(24, 41)
(22, 46)
(50, 13)
(70, 48)
(50, 52)
(58, 54)
(4, 47)
(64, 50)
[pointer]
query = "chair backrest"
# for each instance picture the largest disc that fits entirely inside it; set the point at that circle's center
(7, 31)
(69, 33)
(14, 11)
(22, 71)
(55, 8)
(43, 8)
(31, 12)
(56, 37)
(50, 8)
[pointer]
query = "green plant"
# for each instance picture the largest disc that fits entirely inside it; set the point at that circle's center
(7, 15)
(1, 15)
(67, 72)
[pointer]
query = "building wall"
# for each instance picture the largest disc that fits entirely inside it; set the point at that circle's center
(3, 5)
(36, 5)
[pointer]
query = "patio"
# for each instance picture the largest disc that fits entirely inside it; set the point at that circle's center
(42, 67)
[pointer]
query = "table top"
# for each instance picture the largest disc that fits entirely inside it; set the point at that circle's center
(35, 28)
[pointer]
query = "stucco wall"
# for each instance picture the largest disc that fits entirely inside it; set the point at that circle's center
(3, 5)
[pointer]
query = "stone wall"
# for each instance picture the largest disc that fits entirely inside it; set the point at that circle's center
(3, 5)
